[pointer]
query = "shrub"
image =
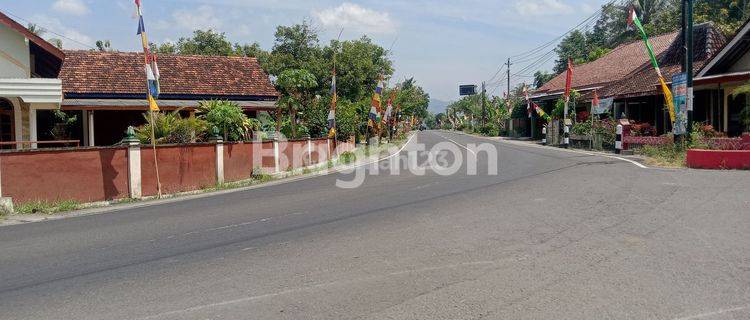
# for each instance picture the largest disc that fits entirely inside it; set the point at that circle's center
(171, 128)
(581, 128)
(347, 157)
(642, 130)
(228, 117)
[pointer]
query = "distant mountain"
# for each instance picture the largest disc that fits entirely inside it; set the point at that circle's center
(437, 106)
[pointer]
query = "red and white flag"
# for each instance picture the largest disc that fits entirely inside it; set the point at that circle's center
(569, 80)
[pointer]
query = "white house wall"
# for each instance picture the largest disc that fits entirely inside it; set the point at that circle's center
(15, 59)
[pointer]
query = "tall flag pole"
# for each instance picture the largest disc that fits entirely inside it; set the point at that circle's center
(528, 101)
(568, 88)
(334, 98)
(634, 21)
(153, 87)
(376, 103)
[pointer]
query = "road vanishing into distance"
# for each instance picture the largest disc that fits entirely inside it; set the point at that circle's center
(554, 235)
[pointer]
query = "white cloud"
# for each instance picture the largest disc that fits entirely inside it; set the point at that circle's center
(71, 38)
(201, 18)
(542, 8)
(352, 16)
(74, 7)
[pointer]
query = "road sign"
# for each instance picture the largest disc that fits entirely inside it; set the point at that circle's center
(467, 90)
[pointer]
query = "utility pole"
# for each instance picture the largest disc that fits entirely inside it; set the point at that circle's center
(687, 8)
(484, 107)
(510, 120)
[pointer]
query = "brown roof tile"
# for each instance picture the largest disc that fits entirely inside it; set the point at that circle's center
(643, 81)
(610, 68)
(122, 73)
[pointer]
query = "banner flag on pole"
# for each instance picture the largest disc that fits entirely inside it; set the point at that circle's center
(568, 80)
(151, 67)
(528, 101)
(376, 103)
(332, 111)
(634, 21)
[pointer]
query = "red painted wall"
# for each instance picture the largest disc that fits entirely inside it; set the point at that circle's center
(293, 154)
(181, 168)
(85, 175)
(718, 159)
(238, 161)
(320, 151)
(267, 160)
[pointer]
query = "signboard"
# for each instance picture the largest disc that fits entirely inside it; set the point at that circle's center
(679, 89)
(467, 90)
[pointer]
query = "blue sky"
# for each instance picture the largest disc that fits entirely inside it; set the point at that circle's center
(440, 43)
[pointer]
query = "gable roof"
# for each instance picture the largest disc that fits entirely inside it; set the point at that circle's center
(734, 50)
(644, 82)
(96, 74)
(610, 68)
(33, 38)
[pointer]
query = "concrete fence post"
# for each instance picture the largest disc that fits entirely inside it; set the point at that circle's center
(219, 151)
(566, 136)
(309, 151)
(276, 160)
(135, 190)
(329, 154)
(544, 135)
(618, 139)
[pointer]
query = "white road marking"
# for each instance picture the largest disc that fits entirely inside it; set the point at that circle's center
(636, 163)
(327, 284)
(456, 143)
(711, 314)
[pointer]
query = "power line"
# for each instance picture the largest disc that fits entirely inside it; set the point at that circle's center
(48, 30)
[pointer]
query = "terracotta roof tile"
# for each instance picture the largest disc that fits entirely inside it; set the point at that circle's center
(612, 67)
(122, 73)
(643, 81)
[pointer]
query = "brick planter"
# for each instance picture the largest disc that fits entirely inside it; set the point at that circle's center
(718, 159)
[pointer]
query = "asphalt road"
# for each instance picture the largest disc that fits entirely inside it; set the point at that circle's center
(554, 235)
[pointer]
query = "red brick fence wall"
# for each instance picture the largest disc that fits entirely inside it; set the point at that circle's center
(97, 174)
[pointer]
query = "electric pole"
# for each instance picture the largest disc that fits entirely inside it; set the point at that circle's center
(510, 120)
(484, 108)
(687, 8)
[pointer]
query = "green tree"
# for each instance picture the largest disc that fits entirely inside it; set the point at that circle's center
(104, 45)
(36, 29)
(542, 77)
(573, 46)
(227, 117)
(297, 86)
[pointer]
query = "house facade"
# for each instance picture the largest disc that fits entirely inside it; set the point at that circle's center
(29, 84)
(720, 66)
(107, 90)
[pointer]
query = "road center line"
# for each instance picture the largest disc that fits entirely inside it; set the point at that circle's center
(456, 143)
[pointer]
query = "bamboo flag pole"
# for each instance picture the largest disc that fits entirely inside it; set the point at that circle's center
(335, 129)
(151, 101)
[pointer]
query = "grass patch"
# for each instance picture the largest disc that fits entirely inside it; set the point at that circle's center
(669, 155)
(347, 157)
(47, 207)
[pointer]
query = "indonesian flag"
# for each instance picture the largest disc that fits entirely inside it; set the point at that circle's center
(568, 80)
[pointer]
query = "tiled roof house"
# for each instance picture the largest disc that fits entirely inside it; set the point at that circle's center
(110, 87)
(626, 75)
(608, 69)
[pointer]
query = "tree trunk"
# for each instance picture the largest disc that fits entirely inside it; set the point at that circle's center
(293, 120)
